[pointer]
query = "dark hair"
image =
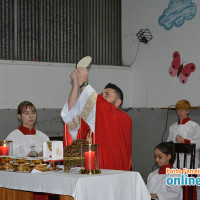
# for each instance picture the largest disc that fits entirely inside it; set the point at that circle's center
(117, 90)
(168, 149)
(24, 105)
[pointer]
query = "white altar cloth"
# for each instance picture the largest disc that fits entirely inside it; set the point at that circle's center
(109, 185)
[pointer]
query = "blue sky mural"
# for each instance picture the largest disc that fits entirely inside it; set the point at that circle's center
(177, 12)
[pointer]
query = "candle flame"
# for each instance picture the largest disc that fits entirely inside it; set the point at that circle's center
(4, 145)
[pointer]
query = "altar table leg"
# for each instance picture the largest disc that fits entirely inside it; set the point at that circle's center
(66, 197)
(8, 194)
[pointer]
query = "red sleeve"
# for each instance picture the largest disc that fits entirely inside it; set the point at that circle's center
(82, 133)
(113, 133)
(67, 139)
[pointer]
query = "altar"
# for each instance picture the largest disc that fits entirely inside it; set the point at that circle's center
(109, 185)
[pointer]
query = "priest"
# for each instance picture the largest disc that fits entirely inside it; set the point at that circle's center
(99, 119)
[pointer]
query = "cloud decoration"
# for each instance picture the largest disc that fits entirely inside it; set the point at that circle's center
(177, 12)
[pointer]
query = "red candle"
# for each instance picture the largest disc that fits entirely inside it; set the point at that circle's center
(90, 160)
(4, 150)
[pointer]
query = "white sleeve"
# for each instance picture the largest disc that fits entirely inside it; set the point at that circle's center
(84, 107)
(148, 181)
(196, 137)
(156, 183)
(171, 192)
(72, 119)
(170, 136)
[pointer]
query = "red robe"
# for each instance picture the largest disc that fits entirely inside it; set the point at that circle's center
(113, 131)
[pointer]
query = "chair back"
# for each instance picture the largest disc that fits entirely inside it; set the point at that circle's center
(57, 138)
(186, 149)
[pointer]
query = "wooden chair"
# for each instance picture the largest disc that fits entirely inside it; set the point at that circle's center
(186, 149)
(58, 138)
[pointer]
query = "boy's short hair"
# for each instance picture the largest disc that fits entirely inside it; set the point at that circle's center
(117, 90)
(183, 104)
(24, 105)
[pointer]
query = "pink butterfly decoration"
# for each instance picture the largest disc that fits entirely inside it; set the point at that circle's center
(177, 69)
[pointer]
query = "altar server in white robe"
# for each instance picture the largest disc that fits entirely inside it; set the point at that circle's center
(156, 181)
(26, 135)
(185, 130)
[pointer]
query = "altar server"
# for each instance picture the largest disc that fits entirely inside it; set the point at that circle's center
(185, 130)
(26, 136)
(156, 181)
(102, 120)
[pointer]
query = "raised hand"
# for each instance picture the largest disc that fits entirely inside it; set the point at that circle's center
(82, 75)
(74, 78)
